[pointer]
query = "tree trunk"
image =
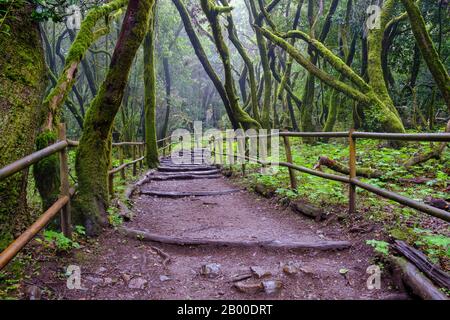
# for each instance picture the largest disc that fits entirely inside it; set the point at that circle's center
(94, 152)
(151, 152)
(202, 57)
(167, 81)
(429, 53)
(22, 85)
(46, 172)
(212, 14)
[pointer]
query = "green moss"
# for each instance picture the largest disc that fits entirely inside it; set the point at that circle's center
(46, 171)
(94, 152)
(22, 84)
(428, 50)
(84, 39)
(151, 152)
(240, 115)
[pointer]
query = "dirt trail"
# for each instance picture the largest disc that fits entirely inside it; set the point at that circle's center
(124, 268)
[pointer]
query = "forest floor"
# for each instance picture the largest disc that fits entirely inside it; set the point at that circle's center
(115, 266)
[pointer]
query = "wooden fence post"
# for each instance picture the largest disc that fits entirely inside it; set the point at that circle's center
(64, 188)
(352, 175)
(111, 184)
(287, 149)
(122, 172)
(134, 158)
(141, 154)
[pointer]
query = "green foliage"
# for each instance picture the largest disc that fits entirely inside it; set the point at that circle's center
(113, 216)
(435, 245)
(58, 241)
(379, 246)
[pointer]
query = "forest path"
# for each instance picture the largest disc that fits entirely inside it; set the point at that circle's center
(123, 267)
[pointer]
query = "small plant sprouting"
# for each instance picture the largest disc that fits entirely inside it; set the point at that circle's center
(114, 218)
(379, 246)
(58, 241)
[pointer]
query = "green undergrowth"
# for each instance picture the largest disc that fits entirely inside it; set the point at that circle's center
(429, 234)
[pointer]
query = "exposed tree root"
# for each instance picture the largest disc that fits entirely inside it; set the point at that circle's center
(207, 172)
(132, 188)
(270, 244)
(339, 167)
(433, 154)
(174, 194)
(162, 254)
(184, 177)
(190, 168)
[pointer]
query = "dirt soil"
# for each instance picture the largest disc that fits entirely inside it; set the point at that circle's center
(119, 267)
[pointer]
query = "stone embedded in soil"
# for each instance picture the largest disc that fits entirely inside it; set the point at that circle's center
(290, 268)
(248, 287)
(137, 283)
(272, 286)
(33, 292)
(307, 270)
(164, 278)
(260, 272)
(101, 270)
(95, 280)
(211, 270)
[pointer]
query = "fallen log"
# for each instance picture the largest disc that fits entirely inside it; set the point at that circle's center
(174, 194)
(436, 153)
(416, 280)
(437, 203)
(184, 177)
(308, 210)
(265, 191)
(342, 168)
(269, 244)
(441, 278)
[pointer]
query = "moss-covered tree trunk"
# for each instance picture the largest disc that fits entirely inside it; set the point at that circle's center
(267, 77)
(94, 152)
(151, 149)
(380, 115)
(22, 84)
(168, 88)
(212, 13)
(202, 57)
(429, 52)
(232, 35)
(46, 172)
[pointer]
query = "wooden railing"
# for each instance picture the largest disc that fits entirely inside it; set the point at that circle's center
(351, 179)
(63, 203)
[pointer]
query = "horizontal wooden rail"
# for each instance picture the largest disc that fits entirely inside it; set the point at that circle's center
(403, 136)
(430, 137)
(63, 203)
(123, 166)
(119, 144)
(351, 179)
(341, 134)
(74, 143)
(163, 139)
(18, 244)
(442, 214)
(27, 161)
